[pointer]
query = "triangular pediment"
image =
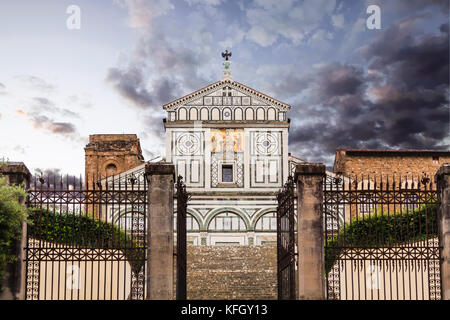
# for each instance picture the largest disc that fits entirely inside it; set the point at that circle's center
(226, 93)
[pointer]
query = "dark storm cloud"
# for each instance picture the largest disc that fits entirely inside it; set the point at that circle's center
(336, 80)
(54, 178)
(131, 85)
(408, 6)
(160, 71)
(404, 106)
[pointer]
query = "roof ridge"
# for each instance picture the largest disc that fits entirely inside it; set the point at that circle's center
(218, 83)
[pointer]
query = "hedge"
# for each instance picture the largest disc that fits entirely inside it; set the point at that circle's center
(12, 214)
(80, 230)
(383, 230)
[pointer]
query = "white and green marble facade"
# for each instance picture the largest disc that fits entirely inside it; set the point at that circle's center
(228, 124)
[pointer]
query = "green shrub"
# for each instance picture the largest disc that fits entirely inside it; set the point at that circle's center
(12, 215)
(83, 231)
(383, 230)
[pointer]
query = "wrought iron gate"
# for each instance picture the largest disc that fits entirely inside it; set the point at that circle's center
(381, 238)
(182, 200)
(87, 241)
(286, 241)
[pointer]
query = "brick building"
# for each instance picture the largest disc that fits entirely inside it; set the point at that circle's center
(369, 162)
(108, 154)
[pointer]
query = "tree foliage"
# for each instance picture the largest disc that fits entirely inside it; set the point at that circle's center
(81, 230)
(12, 214)
(383, 230)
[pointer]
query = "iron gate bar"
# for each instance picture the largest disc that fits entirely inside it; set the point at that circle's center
(182, 200)
(286, 241)
(404, 257)
(105, 237)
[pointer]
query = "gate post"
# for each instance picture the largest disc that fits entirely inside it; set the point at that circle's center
(16, 173)
(310, 243)
(160, 238)
(442, 179)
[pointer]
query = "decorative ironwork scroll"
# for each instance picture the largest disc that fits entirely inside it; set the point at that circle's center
(286, 241)
(87, 241)
(382, 240)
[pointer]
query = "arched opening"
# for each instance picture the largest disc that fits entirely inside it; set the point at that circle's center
(204, 114)
(266, 229)
(227, 221)
(249, 114)
(271, 114)
(110, 169)
(182, 114)
(260, 114)
(238, 114)
(267, 223)
(215, 114)
(193, 114)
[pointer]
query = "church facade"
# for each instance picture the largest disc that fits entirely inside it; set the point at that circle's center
(229, 142)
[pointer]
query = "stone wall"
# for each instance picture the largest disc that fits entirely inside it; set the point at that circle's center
(232, 272)
(119, 151)
(401, 163)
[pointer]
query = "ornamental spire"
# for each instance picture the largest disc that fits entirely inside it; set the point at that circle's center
(226, 66)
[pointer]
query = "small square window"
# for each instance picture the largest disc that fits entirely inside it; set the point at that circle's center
(435, 160)
(227, 173)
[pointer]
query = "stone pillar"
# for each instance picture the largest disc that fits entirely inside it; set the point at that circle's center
(442, 179)
(16, 173)
(311, 274)
(160, 237)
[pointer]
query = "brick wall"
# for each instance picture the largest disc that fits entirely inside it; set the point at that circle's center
(120, 150)
(389, 163)
(232, 272)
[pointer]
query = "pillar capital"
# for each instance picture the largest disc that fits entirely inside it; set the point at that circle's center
(309, 169)
(16, 173)
(160, 168)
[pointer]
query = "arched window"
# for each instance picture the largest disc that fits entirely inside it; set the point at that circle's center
(111, 169)
(192, 224)
(204, 114)
(193, 114)
(271, 114)
(267, 222)
(226, 114)
(215, 114)
(238, 114)
(182, 114)
(227, 221)
(260, 114)
(249, 114)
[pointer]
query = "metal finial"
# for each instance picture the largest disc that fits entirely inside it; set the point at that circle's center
(226, 54)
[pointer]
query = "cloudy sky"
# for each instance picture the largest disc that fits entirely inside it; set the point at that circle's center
(349, 86)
